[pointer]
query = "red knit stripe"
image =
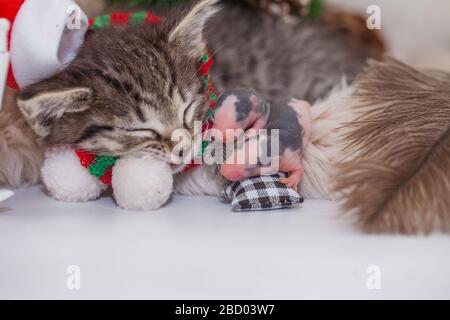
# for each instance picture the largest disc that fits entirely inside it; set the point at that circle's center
(10, 10)
(119, 18)
(86, 158)
(11, 82)
(204, 69)
(152, 19)
(107, 177)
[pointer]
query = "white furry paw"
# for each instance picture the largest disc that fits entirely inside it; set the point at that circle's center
(66, 179)
(141, 183)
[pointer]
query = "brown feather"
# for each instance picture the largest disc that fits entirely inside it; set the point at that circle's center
(396, 176)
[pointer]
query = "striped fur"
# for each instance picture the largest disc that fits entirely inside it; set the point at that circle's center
(127, 91)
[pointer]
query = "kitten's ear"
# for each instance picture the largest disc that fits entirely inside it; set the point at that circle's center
(42, 109)
(189, 31)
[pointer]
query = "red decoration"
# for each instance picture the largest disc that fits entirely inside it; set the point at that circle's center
(107, 177)
(152, 19)
(86, 158)
(120, 18)
(204, 69)
(9, 10)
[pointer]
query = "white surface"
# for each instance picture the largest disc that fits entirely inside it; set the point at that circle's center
(196, 248)
(416, 31)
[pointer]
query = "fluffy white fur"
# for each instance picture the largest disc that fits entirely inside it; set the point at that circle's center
(201, 180)
(65, 178)
(325, 149)
(141, 183)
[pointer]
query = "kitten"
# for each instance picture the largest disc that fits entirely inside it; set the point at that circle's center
(129, 88)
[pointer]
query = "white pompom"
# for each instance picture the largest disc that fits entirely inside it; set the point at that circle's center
(66, 179)
(141, 183)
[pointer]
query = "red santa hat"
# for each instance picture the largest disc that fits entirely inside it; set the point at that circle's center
(45, 36)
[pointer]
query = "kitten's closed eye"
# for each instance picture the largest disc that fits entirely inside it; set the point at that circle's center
(143, 131)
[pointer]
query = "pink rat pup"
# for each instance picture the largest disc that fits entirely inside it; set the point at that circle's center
(245, 110)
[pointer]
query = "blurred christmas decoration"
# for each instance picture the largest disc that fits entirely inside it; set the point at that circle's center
(331, 17)
(305, 8)
(133, 3)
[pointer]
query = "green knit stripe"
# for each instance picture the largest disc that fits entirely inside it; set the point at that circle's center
(210, 114)
(101, 164)
(315, 9)
(205, 58)
(205, 145)
(206, 81)
(138, 17)
(101, 22)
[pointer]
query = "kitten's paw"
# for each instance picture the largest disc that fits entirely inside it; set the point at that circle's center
(66, 179)
(141, 183)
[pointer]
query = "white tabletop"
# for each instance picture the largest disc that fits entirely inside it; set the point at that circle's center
(196, 248)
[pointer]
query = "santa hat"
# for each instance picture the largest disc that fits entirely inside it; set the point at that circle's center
(45, 36)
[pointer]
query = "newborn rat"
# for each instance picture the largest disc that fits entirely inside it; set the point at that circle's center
(246, 109)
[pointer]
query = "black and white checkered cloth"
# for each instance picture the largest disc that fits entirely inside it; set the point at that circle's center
(261, 193)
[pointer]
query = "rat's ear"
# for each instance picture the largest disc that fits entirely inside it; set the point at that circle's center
(42, 107)
(188, 32)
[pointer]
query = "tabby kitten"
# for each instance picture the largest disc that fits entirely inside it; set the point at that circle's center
(127, 90)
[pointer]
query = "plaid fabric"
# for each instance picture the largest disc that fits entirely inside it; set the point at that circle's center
(261, 193)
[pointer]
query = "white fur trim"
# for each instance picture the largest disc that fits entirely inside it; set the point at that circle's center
(65, 178)
(44, 39)
(141, 183)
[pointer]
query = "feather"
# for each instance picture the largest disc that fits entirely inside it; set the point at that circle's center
(396, 173)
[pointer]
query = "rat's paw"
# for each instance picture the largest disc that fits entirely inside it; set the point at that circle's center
(141, 183)
(294, 179)
(66, 179)
(290, 183)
